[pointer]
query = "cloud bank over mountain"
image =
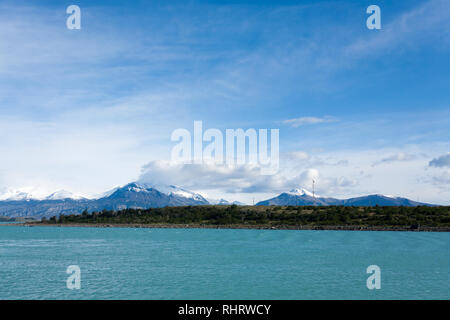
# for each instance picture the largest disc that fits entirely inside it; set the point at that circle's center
(345, 174)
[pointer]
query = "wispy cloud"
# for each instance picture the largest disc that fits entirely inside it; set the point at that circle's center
(297, 122)
(398, 157)
(426, 23)
(442, 180)
(296, 156)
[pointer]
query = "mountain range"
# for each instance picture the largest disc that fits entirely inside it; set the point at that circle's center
(132, 195)
(302, 197)
(137, 195)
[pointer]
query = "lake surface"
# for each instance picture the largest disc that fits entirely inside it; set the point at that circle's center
(125, 263)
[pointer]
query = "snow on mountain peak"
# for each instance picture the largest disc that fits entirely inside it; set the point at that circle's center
(15, 195)
(136, 188)
(176, 190)
(63, 194)
(172, 190)
(28, 193)
(387, 196)
(301, 192)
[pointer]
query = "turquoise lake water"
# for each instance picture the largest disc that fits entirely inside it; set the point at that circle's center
(126, 263)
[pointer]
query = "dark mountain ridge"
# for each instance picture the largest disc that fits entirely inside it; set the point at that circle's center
(305, 198)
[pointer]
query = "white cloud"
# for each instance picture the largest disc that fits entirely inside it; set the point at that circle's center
(233, 181)
(225, 178)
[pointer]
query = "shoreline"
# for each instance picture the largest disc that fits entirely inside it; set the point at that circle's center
(238, 226)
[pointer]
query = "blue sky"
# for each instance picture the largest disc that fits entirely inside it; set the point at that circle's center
(86, 109)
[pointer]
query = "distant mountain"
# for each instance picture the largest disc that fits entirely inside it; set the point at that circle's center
(223, 202)
(19, 195)
(15, 195)
(302, 197)
(133, 195)
(381, 200)
(299, 197)
(41, 208)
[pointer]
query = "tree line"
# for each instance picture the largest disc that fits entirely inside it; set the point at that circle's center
(388, 216)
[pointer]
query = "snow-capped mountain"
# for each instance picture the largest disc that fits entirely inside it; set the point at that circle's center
(301, 192)
(63, 194)
(15, 195)
(175, 190)
(302, 197)
(21, 195)
(136, 195)
(132, 195)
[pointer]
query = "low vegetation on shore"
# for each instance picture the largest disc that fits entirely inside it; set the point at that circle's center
(270, 216)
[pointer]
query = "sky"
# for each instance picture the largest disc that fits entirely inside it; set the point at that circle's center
(359, 111)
